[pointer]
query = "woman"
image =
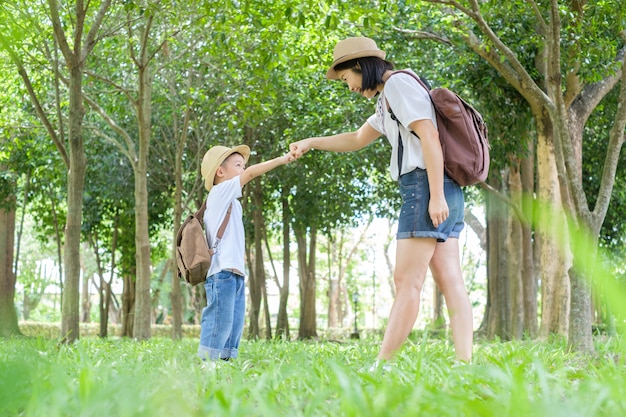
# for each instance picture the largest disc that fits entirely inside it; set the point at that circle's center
(431, 217)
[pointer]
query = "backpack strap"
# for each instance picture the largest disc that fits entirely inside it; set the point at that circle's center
(393, 117)
(400, 144)
(416, 77)
(220, 232)
(200, 213)
(423, 84)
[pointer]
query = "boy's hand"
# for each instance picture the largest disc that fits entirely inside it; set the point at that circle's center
(286, 158)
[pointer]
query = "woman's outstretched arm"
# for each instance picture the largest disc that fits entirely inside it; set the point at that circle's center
(342, 142)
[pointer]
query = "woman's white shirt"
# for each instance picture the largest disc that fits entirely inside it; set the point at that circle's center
(409, 102)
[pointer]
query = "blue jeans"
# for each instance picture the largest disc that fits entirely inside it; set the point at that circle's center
(223, 317)
(414, 220)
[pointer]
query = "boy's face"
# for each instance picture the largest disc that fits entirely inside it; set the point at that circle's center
(231, 167)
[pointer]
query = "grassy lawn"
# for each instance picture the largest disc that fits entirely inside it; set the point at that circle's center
(162, 377)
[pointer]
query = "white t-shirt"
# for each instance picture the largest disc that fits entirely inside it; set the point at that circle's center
(230, 250)
(409, 102)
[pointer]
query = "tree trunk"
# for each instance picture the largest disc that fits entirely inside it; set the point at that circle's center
(388, 262)
(128, 306)
(85, 298)
(70, 311)
(515, 249)
(8, 314)
(439, 320)
(473, 223)
(101, 287)
(282, 321)
(176, 297)
(143, 307)
(334, 303)
(257, 277)
(495, 323)
(75, 58)
(26, 190)
(306, 268)
(555, 290)
(334, 280)
(341, 262)
(580, 339)
(104, 307)
(198, 302)
(181, 134)
(57, 238)
(105, 286)
(143, 310)
(529, 280)
(266, 311)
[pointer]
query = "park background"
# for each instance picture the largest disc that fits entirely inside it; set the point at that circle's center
(108, 108)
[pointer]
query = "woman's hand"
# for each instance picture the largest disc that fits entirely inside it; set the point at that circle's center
(438, 210)
(297, 149)
(433, 157)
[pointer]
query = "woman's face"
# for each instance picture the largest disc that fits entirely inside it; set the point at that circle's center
(355, 81)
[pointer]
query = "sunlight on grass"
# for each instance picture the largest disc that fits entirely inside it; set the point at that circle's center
(162, 377)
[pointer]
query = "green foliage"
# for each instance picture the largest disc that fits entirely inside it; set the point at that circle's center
(596, 140)
(253, 71)
(35, 275)
(163, 377)
(450, 63)
(596, 264)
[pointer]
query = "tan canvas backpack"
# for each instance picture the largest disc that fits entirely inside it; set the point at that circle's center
(193, 254)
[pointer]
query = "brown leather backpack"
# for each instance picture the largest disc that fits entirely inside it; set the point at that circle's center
(462, 133)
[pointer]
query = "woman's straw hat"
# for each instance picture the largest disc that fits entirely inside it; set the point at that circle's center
(214, 158)
(351, 48)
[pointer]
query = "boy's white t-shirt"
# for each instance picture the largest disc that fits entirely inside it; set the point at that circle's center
(409, 102)
(230, 250)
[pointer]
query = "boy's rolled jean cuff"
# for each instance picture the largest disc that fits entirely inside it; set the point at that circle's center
(206, 353)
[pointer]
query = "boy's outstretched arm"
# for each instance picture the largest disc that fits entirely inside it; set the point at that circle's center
(261, 168)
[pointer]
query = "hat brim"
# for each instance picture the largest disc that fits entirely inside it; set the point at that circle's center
(331, 74)
(244, 150)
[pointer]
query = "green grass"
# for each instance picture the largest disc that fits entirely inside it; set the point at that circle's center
(162, 377)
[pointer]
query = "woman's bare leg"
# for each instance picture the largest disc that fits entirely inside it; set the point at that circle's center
(445, 266)
(412, 259)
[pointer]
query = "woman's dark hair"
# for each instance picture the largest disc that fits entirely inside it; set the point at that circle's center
(371, 68)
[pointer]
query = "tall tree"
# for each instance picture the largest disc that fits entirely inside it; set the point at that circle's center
(107, 217)
(148, 28)
(75, 52)
(75, 49)
(568, 78)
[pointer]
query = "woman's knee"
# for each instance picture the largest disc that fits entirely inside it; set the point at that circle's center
(406, 281)
(452, 288)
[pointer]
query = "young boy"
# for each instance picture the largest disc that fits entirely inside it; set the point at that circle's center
(224, 172)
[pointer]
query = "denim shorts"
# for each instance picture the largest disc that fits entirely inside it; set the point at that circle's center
(414, 220)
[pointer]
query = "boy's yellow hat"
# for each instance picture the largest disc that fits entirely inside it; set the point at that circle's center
(214, 157)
